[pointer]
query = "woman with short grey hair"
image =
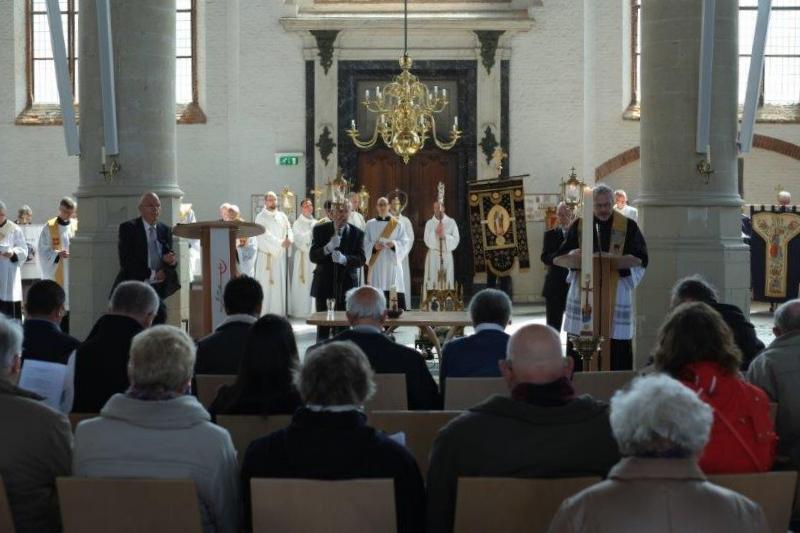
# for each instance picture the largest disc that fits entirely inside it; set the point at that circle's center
(661, 428)
(329, 438)
(157, 429)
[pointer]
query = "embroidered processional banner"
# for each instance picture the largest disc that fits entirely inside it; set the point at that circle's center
(775, 253)
(497, 223)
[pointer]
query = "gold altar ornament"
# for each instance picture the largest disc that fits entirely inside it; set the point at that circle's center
(288, 201)
(363, 200)
(338, 189)
(405, 109)
(571, 190)
(398, 200)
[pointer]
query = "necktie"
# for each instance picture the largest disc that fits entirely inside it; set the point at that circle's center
(155, 250)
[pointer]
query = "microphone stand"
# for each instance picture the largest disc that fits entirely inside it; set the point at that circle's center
(600, 290)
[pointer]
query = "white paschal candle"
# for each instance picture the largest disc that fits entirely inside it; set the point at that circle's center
(587, 251)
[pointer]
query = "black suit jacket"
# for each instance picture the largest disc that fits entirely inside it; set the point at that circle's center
(352, 246)
(222, 351)
(133, 264)
(44, 341)
(388, 357)
(555, 281)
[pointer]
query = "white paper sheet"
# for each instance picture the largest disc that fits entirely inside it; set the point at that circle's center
(45, 379)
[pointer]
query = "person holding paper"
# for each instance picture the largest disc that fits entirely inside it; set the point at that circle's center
(620, 242)
(53, 250)
(13, 253)
(386, 245)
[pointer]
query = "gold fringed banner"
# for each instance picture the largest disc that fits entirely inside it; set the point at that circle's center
(497, 223)
(774, 249)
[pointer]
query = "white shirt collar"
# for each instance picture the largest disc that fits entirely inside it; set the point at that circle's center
(248, 319)
(334, 408)
(367, 328)
(488, 326)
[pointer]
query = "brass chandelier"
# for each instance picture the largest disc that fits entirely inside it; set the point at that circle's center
(405, 109)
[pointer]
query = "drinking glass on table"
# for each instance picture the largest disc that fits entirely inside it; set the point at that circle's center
(331, 303)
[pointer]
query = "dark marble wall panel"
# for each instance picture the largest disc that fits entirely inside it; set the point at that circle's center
(505, 117)
(309, 128)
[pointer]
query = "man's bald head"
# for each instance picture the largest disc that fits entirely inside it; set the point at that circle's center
(787, 318)
(534, 356)
(150, 207)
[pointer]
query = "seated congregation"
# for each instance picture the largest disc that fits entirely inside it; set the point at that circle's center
(653, 448)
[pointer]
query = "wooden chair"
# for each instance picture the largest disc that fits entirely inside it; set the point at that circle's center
(774, 491)
(303, 505)
(6, 521)
(601, 385)
(77, 418)
(463, 393)
(209, 384)
(390, 393)
(487, 505)
(244, 429)
(420, 429)
(128, 505)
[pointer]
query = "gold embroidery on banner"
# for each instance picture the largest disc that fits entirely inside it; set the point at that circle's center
(777, 229)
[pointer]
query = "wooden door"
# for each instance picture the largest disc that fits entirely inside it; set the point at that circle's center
(381, 171)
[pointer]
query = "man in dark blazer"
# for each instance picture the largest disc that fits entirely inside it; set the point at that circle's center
(43, 338)
(222, 351)
(366, 312)
(555, 281)
(146, 253)
(478, 355)
(337, 248)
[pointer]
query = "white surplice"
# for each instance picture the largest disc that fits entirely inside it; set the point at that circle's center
(49, 260)
(387, 270)
(195, 257)
(300, 301)
(435, 261)
(271, 261)
(357, 219)
(247, 253)
(12, 239)
(409, 229)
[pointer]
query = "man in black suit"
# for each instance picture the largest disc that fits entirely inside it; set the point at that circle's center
(366, 312)
(146, 254)
(43, 338)
(696, 289)
(555, 281)
(337, 248)
(222, 351)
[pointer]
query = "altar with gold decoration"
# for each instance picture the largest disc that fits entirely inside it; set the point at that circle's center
(775, 253)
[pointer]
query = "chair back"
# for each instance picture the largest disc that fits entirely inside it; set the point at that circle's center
(6, 521)
(601, 385)
(390, 393)
(209, 384)
(338, 506)
(128, 505)
(420, 429)
(463, 393)
(244, 429)
(77, 418)
(488, 505)
(774, 491)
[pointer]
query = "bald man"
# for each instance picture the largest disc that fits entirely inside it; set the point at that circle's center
(146, 253)
(540, 430)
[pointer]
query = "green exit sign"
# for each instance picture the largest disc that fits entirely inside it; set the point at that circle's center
(288, 159)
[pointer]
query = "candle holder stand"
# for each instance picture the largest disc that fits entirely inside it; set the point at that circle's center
(587, 345)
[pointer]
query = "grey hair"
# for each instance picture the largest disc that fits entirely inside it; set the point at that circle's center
(10, 341)
(161, 358)
(134, 298)
(694, 288)
(602, 188)
(336, 373)
(659, 415)
(620, 192)
(360, 307)
(26, 209)
(490, 306)
(787, 316)
(2, 205)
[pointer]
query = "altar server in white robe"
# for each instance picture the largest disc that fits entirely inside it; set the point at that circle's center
(53, 249)
(273, 246)
(441, 238)
(300, 300)
(246, 247)
(187, 216)
(385, 246)
(356, 218)
(13, 253)
(396, 209)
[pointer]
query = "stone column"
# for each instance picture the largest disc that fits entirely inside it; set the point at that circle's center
(691, 225)
(144, 69)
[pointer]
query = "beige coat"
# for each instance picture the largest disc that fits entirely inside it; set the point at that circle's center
(658, 496)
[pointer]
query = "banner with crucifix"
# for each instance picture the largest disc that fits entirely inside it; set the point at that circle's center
(775, 253)
(497, 224)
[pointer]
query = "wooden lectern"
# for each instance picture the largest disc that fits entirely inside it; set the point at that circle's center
(220, 261)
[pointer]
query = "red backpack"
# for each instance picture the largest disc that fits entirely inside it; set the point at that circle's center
(743, 436)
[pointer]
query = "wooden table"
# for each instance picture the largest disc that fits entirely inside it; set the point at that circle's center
(426, 321)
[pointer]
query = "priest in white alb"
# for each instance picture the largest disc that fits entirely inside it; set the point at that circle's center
(53, 250)
(385, 246)
(300, 300)
(441, 238)
(13, 252)
(273, 246)
(396, 209)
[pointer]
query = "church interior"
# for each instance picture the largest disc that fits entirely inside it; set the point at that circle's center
(181, 139)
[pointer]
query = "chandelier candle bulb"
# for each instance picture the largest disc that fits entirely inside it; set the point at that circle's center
(708, 153)
(455, 121)
(444, 93)
(353, 124)
(587, 253)
(102, 155)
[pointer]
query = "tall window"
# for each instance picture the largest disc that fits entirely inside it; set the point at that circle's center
(42, 88)
(781, 77)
